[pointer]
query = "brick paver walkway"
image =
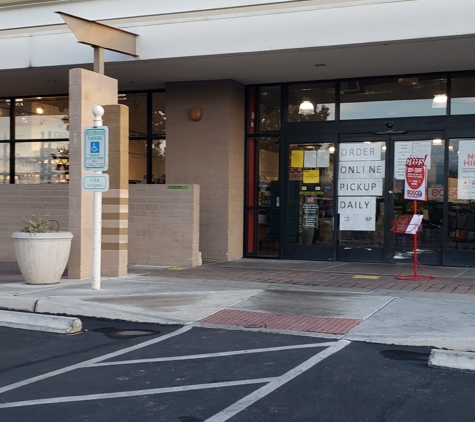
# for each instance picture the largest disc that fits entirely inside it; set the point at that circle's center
(322, 279)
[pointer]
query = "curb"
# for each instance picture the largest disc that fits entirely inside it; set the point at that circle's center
(449, 359)
(46, 323)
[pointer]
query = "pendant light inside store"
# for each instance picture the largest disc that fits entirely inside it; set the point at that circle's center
(439, 101)
(306, 107)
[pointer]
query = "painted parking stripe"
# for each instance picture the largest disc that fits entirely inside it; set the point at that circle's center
(277, 382)
(122, 394)
(89, 362)
(215, 355)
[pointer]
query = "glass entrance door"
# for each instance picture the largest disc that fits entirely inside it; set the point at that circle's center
(430, 234)
(310, 202)
(370, 196)
(361, 197)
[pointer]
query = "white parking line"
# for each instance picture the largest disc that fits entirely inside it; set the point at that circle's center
(252, 398)
(89, 397)
(271, 383)
(89, 362)
(214, 355)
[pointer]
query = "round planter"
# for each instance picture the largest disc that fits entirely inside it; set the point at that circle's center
(42, 257)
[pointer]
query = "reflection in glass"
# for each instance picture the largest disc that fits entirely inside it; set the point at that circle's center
(391, 97)
(311, 102)
(158, 161)
(461, 227)
(4, 162)
(137, 104)
(4, 120)
(41, 162)
(268, 159)
(430, 232)
(310, 200)
(269, 108)
(463, 94)
(42, 118)
(159, 117)
(138, 161)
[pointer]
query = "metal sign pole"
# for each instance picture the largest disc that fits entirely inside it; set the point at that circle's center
(98, 112)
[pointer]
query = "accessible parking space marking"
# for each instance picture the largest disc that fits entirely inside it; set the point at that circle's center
(270, 384)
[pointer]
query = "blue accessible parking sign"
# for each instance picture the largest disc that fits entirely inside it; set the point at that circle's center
(96, 148)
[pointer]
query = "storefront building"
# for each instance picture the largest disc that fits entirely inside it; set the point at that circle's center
(294, 118)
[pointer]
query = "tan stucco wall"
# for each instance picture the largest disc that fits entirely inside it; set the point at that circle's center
(21, 201)
(164, 225)
(210, 153)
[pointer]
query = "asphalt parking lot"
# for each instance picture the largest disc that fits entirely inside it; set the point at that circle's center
(127, 372)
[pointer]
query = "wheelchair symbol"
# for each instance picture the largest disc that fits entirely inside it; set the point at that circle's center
(95, 147)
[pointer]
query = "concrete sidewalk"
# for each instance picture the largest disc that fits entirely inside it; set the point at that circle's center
(353, 301)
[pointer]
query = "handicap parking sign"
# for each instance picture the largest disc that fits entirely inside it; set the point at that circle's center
(96, 148)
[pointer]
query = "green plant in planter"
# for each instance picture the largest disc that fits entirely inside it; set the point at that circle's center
(40, 224)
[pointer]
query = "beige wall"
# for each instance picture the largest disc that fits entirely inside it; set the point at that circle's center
(164, 225)
(210, 153)
(21, 201)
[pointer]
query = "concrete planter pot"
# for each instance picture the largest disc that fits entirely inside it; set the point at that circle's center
(42, 257)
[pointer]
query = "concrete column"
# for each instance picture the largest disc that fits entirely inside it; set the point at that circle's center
(86, 89)
(210, 153)
(115, 202)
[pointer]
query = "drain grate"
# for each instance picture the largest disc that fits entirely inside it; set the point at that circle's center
(305, 323)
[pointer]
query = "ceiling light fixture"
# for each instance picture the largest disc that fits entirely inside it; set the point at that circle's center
(306, 107)
(40, 110)
(439, 101)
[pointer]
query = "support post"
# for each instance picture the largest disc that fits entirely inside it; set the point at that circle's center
(98, 112)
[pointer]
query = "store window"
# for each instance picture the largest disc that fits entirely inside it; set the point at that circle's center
(42, 118)
(422, 95)
(461, 190)
(263, 214)
(463, 94)
(311, 102)
(4, 120)
(147, 136)
(4, 162)
(269, 109)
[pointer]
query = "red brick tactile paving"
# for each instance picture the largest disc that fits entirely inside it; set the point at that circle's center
(322, 279)
(312, 324)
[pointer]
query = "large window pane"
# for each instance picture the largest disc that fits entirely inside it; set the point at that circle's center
(268, 159)
(4, 120)
(461, 230)
(137, 161)
(137, 104)
(41, 162)
(269, 109)
(159, 171)
(463, 94)
(4, 162)
(311, 102)
(42, 118)
(393, 97)
(159, 117)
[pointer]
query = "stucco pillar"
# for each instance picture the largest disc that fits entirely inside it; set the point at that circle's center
(86, 89)
(210, 152)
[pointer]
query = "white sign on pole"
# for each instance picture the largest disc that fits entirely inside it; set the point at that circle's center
(360, 187)
(361, 170)
(96, 148)
(466, 173)
(360, 151)
(95, 182)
